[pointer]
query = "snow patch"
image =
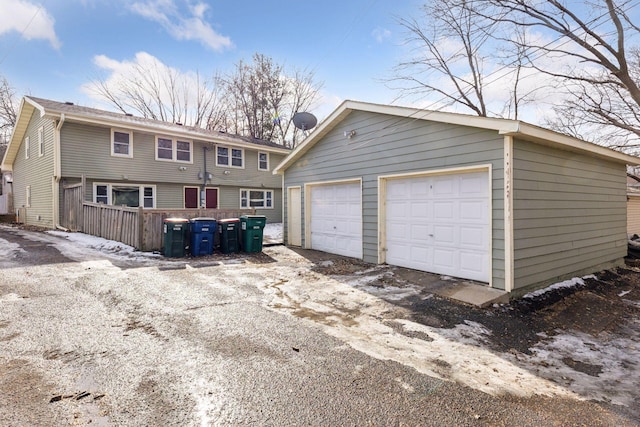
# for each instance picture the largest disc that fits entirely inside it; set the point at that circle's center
(576, 281)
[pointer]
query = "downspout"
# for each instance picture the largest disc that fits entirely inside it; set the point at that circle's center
(203, 191)
(57, 171)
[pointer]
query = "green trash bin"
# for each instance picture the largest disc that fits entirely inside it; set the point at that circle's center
(229, 235)
(251, 227)
(175, 236)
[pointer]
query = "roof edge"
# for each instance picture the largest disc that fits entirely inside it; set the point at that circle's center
(507, 127)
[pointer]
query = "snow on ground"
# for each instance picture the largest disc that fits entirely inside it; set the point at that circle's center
(273, 232)
(346, 308)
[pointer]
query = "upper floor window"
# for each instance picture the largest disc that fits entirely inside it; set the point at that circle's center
(175, 150)
(121, 143)
(263, 161)
(230, 157)
(41, 141)
(27, 148)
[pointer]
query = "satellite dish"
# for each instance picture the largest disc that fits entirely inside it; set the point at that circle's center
(304, 121)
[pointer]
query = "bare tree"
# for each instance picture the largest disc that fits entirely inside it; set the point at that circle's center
(257, 99)
(450, 46)
(262, 98)
(603, 80)
(8, 110)
(159, 92)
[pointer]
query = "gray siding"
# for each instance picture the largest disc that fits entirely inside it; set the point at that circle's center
(569, 214)
(37, 172)
(387, 145)
(86, 150)
(171, 196)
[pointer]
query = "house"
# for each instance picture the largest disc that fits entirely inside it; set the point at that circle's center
(133, 161)
(633, 203)
(496, 201)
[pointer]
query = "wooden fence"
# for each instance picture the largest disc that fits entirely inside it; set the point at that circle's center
(72, 206)
(118, 223)
(151, 222)
(138, 227)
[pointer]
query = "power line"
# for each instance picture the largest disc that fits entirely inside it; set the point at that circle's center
(15, 43)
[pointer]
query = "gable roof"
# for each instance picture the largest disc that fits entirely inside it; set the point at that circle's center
(74, 113)
(507, 127)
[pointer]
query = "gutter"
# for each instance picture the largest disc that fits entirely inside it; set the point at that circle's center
(57, 171)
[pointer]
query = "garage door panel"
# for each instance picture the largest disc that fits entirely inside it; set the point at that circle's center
(444, 259)
(449, 224)
(419, 233)
(443, 210)
(336, 219)
(473, 237)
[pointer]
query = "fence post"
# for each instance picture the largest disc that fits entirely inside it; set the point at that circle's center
(141, 242)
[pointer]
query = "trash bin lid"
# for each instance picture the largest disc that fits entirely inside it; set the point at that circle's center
(225, 220)
(176, 220)
(202, 219)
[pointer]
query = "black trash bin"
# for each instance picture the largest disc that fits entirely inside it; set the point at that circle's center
(251, 228)
(202, 235)
(175, 231)
(229, 235)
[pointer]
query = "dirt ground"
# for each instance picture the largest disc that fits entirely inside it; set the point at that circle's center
(91, 334)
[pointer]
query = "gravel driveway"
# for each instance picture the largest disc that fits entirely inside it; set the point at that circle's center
(94, 334)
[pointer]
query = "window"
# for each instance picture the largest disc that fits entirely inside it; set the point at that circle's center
(148, 200)
(183, 151)
(236, 157)
(256, 199)
(27, 148)
(263, 161)
(170, 149)
(230, 157)
(102, 195)
(27, 202)
(121, 143)
(165, 149)
(127, 195)
(222, 156)
(41, 141)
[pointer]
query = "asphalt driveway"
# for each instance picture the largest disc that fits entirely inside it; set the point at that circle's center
(92, 333)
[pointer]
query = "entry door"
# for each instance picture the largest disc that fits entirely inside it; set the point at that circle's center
(336, 219)
(294, 216)
(440, 224)
(192, 198)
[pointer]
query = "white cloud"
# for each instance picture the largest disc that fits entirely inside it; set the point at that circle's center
(380, 34)
(32, 21)
(189, 24)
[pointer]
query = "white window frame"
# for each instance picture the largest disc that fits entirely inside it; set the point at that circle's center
(267, 161)
(41, 141)
(113, 142)
(27, 147)
(174, 149)
(245, 201)
(27, 201)
(141, 196)
(230, 157)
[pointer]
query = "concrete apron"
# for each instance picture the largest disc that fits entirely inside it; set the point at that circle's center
(461, 290)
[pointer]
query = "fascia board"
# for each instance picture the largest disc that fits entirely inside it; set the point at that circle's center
(547, 137)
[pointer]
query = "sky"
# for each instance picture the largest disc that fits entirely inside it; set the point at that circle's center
(52, 49)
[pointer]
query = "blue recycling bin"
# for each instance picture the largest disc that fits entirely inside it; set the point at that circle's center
(202, 236)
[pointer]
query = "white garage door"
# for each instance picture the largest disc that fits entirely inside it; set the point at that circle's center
(440, 224)
(336, 219)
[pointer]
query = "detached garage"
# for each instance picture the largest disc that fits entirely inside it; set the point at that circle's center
(496, 201)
